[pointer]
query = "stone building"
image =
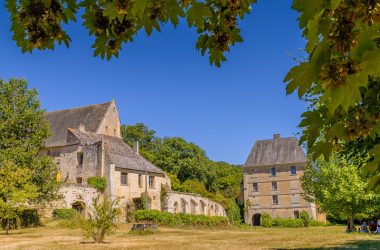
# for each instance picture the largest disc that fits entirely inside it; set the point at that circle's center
(271, 182)
(86, 142)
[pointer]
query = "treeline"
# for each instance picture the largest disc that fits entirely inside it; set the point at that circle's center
(189, 168)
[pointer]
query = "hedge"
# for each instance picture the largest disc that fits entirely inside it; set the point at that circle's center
(166, 218)
(98, 182)
(304, 221)
(64, 213)
(25, 218)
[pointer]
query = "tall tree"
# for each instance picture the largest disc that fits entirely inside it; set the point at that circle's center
(338, 188)
(340, 77)
(25, 176)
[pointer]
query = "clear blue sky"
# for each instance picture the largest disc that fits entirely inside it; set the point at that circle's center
(165, 83)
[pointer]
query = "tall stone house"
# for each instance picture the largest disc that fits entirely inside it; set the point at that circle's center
(87, 142)
(271, 182)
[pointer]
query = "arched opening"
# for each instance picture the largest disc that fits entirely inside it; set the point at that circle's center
(176, 207)
(193, 207)
(203, 207)
(296, 214)
(80, 207)
(183, 206)
(216, 210)
(256, 220)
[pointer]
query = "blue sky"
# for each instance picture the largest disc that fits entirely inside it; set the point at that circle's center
(165, 83)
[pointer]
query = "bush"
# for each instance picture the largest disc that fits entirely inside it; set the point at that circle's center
(180, 219)
(72, 223)
(23, 219)
(304, 216)
(100, 183)
(304, 221)
(64, 213)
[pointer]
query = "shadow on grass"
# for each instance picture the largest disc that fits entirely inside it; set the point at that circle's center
(10, 233)
(356, 244)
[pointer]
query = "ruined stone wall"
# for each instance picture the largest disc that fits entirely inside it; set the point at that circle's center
(178, 202)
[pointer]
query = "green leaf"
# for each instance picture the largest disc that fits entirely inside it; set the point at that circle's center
(110, 11)
(312, 32)
(300, 77)
(139, 7)
(197, 13)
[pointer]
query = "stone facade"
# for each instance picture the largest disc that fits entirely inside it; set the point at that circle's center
(86, 142)
(272, 184)
(178, 202)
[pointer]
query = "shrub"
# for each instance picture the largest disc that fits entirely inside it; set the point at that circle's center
(22, 219)
(102, 220)
(100, 183)
(304, 216)
(180, 219)
(72, 223)
(64, 213)
(304, 221)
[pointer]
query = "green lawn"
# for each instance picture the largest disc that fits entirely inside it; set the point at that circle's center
(53, 237)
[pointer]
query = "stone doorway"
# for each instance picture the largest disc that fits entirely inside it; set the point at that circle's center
(256, 220)
(80, 207)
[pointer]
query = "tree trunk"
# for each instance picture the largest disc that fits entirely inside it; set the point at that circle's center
(351, 219)
(7, 228)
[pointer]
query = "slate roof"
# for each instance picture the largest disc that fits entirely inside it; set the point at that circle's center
(118, 152)
(275, 151)
(89, 116)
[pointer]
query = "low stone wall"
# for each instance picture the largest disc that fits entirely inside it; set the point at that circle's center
(178, 202)
(73, 196)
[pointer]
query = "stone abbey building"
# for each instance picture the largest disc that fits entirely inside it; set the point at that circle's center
(271, 181)
(86, 142)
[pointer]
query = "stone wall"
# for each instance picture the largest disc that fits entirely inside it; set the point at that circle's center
(178, 202)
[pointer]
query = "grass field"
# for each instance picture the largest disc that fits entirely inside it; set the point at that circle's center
(53, 237)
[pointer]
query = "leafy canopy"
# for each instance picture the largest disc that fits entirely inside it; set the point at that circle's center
(39, 24)
(25, 176)
(340, 77)
(339, 189)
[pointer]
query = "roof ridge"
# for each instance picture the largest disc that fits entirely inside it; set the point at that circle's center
(282, 138)
(97, 104)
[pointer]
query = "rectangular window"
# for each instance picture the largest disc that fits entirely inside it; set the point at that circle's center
(151, 181)
(80, 158)
(273, 172)
(274, 185)
(79, 180)
(123, 178)
(255, 187)
(293, 170)
(140, 180)
(274, 199)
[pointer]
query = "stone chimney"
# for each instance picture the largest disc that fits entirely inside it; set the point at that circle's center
(276, 136)
(136, 147)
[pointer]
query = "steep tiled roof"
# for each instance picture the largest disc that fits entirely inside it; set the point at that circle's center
(89, 116)
(275, 151)
(119, 152)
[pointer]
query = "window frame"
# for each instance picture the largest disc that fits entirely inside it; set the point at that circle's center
(123, 179)
(151, 181)
(275, 185)
(275, 197)
(255, 184)
(293, 168)
(273, 171)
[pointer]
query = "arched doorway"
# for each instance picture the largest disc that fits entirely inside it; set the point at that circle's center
(176, 207)
(256, 220)
(80, 207)
(193, 207)
(296, 214)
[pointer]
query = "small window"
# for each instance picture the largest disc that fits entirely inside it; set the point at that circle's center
(79, 180)
(151, 181)
(293, 170)
(255, 187)
(123, 178)
(140, 180)
(274, 199)
(80, 158)
(274, 185)
(296, 214)
(273, 172)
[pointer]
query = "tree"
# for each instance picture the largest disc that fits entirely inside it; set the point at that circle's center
(38, 24)
(25, 176)
(340, 78)
(338, 188)
(102, 219)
